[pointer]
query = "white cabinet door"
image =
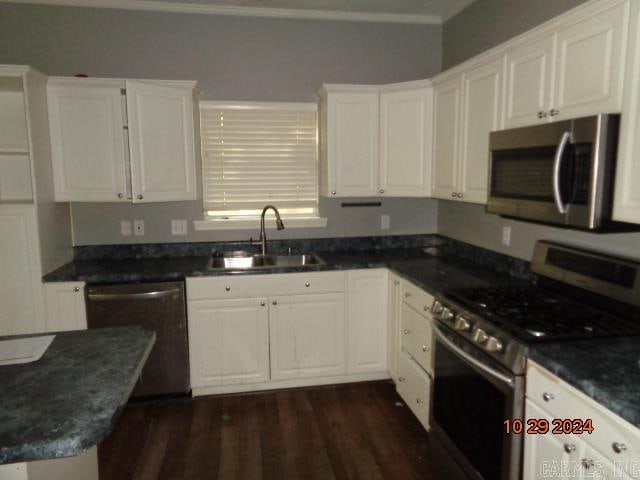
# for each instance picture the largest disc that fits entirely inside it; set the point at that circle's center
(529, 81)
(482, 113)
(393, 324)
(228, 342)
(87, 143)
(21, 299)
(590, 64)
(307, 336)
(352, 144)
(405, 142)
(414, 386)
(65, 306)
(447, 98)
(546, 454)
(626, 202)
(161, 141)
(367, 321)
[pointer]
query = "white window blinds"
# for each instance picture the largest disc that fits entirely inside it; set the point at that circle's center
(259, 153)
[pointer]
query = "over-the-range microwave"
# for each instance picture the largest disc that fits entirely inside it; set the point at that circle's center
(560, 173)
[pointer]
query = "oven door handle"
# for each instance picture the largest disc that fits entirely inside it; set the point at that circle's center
(495, 374)
(557, 163)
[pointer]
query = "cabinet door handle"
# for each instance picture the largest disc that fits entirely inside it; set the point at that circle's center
(569, 447)
(274, 303)
(587, 463)
(401, 379)
(407, 295)
(425, 308)
(618, 447)
(453, 194)
(425, 348)
(333, 192)
(419, 401)
(553, 112)
(307, 284)
(120, 195)
(262, 304)
(381, 190)
(542, 114)
(227, 288)
(406, 331)
(547, 397)
(140, 197)
(76, 289)
(459, 195)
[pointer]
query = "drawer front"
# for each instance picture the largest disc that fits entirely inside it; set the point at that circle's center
(416, 297)
(414, 386)
(245, 286)
(617, 440)
(416, 336)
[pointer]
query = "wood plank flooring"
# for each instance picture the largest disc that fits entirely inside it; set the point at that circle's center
(355, 431)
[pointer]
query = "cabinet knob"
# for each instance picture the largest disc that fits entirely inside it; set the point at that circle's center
(553, 112)
(274, 303)
(262, 304)
(120, 195)
(140, 197)
(307, 284)
(459, 195)
(425, 348)
(547, 397)
(453, 194)
(542, 114)
(76, 289)
(333, 192)
(401, 379)
(381, 190)
(425, 308)
(407, 295)
(227, 288)
(406, 332)
(396, 282)
(569, 447)
(419, 401)
(618, 447)
(587, 463)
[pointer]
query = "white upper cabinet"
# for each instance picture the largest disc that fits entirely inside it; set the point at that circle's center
(122, 141)
(571, 68)
(626, 202)
(482, 113)
(447, 98)
(529, 79)
(349, 142)
(87, 143)
(405, 141)
(161, 141)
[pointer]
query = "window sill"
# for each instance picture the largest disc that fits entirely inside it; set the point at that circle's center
(254, 223)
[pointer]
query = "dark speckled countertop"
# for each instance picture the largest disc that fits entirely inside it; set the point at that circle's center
(69, 400)
(607, 370)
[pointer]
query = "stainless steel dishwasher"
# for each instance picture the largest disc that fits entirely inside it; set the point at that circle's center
(155, 306)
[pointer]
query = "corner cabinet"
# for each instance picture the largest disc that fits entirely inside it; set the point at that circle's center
(65, 306)
(375, 141)
(467, 108)
(122, 140)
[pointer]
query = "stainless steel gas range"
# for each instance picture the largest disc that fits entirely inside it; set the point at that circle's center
(482, 336)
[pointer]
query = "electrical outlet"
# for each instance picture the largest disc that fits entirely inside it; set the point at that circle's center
(125, 228)
(138, 227)
(506, 236)
(385, 222)
(178, 227)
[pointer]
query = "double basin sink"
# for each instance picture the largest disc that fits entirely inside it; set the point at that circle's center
(246, 261)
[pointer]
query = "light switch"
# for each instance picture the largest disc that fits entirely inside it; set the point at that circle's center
(125, 228)
(178, 227)
(385, 222)
(138, 227)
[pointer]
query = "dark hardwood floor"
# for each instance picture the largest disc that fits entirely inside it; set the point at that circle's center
(355, 431)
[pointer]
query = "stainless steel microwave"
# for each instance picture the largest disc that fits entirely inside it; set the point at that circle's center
(560, 173)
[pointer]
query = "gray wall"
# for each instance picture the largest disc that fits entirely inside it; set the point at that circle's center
(487, 23)
(233, 58)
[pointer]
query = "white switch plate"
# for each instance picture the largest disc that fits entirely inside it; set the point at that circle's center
(385, 222)
(125, 228)
(178, 227)
(506, 236)
(138, 227)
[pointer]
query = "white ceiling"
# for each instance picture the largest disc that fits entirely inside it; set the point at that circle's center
(405, 11)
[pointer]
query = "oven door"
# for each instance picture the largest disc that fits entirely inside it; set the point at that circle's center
(550, 173)
(472, 397)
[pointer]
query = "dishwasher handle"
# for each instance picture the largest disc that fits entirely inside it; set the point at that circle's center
(106, 297)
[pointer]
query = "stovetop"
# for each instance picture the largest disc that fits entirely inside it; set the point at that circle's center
(535, 314)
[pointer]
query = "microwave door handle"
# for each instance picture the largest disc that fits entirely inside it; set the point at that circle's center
(557, 163)
(481, 366)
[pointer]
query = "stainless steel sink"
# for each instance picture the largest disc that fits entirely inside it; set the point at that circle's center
(244, 261)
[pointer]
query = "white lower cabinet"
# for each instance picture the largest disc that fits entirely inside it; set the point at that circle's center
(228, 342)
(65, 306)
(307, 336)
(414, 386)
(367, 320)
(394, 300)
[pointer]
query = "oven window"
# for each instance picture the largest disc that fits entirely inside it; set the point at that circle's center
(471, 411)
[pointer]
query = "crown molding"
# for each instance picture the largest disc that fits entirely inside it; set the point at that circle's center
(170, 7)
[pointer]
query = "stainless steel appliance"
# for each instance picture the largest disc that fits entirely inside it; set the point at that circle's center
(155, 306)
(483, 336)
(559, 173)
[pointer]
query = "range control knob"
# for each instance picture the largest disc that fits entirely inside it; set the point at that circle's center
(462, 324)
(493, 345)
(446, 314)
(436, 307)
(480, 336)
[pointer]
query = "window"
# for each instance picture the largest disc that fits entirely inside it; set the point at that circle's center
(254, 154)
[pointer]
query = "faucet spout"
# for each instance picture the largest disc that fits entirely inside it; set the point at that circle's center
(263, 236)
